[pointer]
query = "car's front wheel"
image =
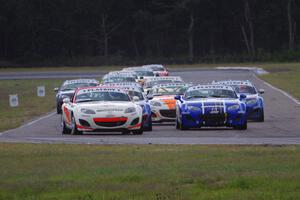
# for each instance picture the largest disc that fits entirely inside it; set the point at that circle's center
(139, 131)
(65, 129)
(74, 130)
(261, 117)
(241, 127)
(149, 127)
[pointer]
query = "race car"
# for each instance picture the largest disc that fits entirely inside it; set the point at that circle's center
(210, 106)
(158, 69)
(162, 101)
(96, 109)
(254, 102)
(118, 78)
(152, 81)
(136, 91)
(142, 73)
(68, 89)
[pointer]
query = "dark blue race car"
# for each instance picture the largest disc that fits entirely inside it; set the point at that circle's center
(254, 102)
(210, 106)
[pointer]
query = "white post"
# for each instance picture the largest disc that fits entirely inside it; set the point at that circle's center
(13, 100)
(41, 91)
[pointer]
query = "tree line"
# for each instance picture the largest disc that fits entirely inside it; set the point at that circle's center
(101, 31)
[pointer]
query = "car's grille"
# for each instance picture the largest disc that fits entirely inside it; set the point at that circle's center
(110, 122)
(168, 113)
(214, 119)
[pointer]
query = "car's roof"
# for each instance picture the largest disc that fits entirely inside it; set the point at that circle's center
(175, 78)
(171, 85)
(125, 84)
(199, 87)
(67, 82)
(234, 82)
(137, 69)
(100, 89)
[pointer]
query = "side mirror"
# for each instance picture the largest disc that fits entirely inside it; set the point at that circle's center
(135, 98)
(177, 97)
(243, 96)
(56, 89)
(149, 96)
(66, 100)
(261, 91)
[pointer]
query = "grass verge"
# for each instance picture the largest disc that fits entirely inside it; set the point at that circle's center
(31, 171)
(30, 105)
(284, 76)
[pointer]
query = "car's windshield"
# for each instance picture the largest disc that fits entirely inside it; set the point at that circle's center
(74, 86)
(157, 68)
(144, 73)
(135, 93)
(118, 79)
(157, 82)
(102, 96)
(210, 93)
(172, 90)
(245, 89)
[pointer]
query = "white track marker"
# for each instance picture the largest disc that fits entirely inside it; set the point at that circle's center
(279, 90)
(41, 118)
(29, 124)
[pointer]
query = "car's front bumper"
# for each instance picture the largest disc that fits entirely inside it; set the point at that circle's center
(197, 119)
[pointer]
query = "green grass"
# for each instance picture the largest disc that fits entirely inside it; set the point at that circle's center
(284, 76)
(30, 171)
(30, 105)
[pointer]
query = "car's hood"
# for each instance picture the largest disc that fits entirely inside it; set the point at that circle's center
(164, 97)
(212, 101)
(249, 96)
(107, 106)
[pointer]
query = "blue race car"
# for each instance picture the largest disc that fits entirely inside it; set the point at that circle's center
(254, 102)
(210, 106)
(136, 91)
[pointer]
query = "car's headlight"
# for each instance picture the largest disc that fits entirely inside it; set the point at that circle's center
(88, 111)
(251, 101)
(155, 103)
(234, 107)
(194, 108)
(130, 110)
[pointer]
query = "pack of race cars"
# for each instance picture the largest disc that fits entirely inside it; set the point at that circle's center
(134, 99)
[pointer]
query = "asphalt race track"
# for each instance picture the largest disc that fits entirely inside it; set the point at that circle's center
(281, 126)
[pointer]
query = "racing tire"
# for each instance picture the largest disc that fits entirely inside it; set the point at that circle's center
(65, 129)
(149, 128)
(58, 110)
(74, 130)
(139, 131)
(241, 127)
(177, 124)
(182, 127)
(125, 132)
(261, 117)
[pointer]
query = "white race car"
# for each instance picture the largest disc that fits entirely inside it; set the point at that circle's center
(101, 109)
(163, 101)
(152, 81)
